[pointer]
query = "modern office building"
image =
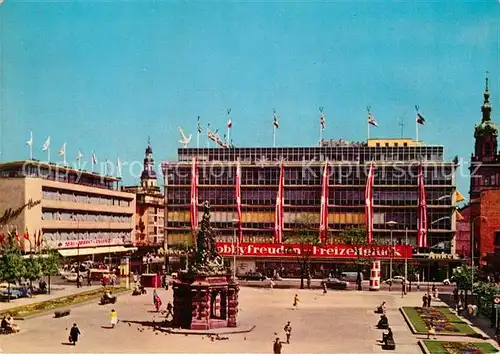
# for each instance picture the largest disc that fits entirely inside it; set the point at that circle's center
(80, 213)
(150, 205)
(395, 193)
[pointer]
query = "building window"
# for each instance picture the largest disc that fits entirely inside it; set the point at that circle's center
(377, 144)
(405, 144)
(396, 144)
(497, 238)
(386, 144)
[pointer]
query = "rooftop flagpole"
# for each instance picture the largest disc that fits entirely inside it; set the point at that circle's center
(416, 124)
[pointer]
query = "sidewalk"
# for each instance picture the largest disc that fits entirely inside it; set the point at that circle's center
(56, 291)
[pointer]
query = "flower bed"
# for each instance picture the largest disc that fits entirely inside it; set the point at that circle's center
(444, 321)
(435, 347)
(43, 306)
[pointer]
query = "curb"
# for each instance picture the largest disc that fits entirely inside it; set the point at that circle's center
(422, 346)
(214, 331)
(45, 312)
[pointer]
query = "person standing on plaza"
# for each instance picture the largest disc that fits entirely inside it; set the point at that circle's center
(295, 301)
(324, 288)
(89, 279)
(158, 303)
(170, 311)
(429, 299)
(455, 295)
(113, 318)
(277, 345)
(73, 334)
(155, 294)
(424, 300)
(288, 332)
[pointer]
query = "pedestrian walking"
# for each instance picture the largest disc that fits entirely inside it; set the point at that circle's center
(277, 345)
(295, 301)
(154, 296)
(324, 288)
(170, 312)
(89, 279)
(158, 303)
(113, 318)
(73, 334)
(288, 332)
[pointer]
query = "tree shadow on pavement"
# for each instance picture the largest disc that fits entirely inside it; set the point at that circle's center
(161, 326)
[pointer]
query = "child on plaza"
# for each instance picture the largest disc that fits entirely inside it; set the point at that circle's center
(295, 301)
(113, 317)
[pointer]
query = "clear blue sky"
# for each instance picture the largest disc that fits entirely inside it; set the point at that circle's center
(104, 75)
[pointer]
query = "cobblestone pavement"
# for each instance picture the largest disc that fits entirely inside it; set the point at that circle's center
(338, 322)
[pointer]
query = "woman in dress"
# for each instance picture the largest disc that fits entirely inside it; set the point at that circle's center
(113, 316)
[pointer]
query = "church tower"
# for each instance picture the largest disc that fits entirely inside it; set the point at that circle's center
(148, 176)
(485, 156)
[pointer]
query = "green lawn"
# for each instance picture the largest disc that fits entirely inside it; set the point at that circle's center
(439, 347)
(454, 320)
(60, 302)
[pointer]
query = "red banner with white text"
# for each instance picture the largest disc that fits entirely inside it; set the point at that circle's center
(324, 251)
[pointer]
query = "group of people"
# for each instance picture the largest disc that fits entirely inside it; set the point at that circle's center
(8, 325)
(426, 300)
(278, 344)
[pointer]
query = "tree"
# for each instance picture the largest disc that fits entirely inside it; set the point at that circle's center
(462, 276)
(32, 270)
(356, 237)
(50, 264)
(11, 263)
(306, 239)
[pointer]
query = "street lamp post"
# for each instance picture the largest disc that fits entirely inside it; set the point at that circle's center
(235, 246)
(391, 224)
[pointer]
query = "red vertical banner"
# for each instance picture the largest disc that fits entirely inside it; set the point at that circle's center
(369, 205)
(238, 199)
(323, 222)
(422, 210)
(279, 212)
(194, 197)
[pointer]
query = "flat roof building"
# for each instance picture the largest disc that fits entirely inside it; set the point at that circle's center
(79, 211)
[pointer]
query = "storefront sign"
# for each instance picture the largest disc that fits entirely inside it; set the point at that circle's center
(85, 243)
(326, 251)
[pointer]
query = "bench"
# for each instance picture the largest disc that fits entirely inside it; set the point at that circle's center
(389, 344)
(61, 313)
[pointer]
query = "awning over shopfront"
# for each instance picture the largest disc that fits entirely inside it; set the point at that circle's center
(95, 250)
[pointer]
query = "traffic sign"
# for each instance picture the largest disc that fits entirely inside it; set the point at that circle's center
(496, 299)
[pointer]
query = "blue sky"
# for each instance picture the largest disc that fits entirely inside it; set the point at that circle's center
(104, 76)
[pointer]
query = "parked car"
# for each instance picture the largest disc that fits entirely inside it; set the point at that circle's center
(14, 294)
(398, 279)
(334, 283)
(351, 276)
(252, 276)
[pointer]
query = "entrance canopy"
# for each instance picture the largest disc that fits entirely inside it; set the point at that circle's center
(95, 250)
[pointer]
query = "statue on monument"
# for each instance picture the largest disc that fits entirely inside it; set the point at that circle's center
(207, 259)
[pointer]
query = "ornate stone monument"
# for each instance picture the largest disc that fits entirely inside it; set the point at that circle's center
(206, 295)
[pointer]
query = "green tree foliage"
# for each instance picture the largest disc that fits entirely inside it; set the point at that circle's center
(50, 264)
(356, 237)
(32, 269)
(463, 277)
(11, 262)
(485, 293)
(305, 238)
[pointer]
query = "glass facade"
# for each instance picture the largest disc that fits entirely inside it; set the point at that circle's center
(395, 192)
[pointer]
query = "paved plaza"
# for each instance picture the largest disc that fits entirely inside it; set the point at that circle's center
(338, 322)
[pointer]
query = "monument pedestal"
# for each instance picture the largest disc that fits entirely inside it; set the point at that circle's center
(205, 302)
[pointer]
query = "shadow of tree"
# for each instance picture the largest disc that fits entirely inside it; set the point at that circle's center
(162, 326)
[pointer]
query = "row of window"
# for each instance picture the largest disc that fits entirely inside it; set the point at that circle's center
(84, 235)
(83, 198)
(85, 217)
(349, 152)
(310, 196)
(312, 175)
